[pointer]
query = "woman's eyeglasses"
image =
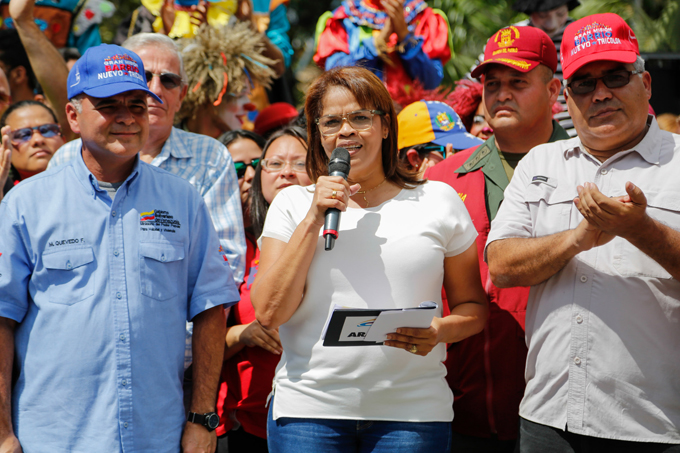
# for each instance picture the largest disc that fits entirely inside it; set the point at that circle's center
(616, 79)
(359, 120)
(276, 165)
(168, 79)
(241, 167)
(24, 134)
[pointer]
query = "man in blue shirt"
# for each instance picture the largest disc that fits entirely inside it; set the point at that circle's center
(102, 261)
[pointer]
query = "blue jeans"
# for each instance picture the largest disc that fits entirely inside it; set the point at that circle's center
(319, 435)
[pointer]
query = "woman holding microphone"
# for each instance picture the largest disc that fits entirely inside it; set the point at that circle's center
(399, 239)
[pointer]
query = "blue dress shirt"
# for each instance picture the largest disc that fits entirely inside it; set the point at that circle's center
(102, 289)
(207, 165)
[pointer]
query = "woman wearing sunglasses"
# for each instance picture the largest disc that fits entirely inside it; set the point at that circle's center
(400, 239)
(252, 351)
(34, 135)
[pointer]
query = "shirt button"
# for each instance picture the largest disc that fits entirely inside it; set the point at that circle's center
(584, 278)
(124, 382)
(113, 213)
(603, 171)
(119, 295)
(577, 360)
(122, 337)
(163, 258)
(115, 253)
(579, 319)
(69, 266)
(125, 424)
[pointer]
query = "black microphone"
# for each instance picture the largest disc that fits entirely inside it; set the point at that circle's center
(338, 166)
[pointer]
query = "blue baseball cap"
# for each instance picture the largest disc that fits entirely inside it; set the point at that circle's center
(107, 70)
(433, 122)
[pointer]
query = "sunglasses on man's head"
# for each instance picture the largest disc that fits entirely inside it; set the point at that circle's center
(24, 134)
(168, 79)
(241, 167)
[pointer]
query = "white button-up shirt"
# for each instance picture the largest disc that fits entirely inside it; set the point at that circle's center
(604, 332)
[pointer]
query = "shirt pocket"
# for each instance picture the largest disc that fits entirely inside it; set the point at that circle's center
(160, 269)
(550, 205)
(70, 275)
(630, 261)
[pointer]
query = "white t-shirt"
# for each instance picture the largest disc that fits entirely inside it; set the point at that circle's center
(389, 256)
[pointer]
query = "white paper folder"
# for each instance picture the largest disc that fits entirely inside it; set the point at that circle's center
(366, 327)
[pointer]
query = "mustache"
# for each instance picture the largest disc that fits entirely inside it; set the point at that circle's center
(595, 110)
(498, 105)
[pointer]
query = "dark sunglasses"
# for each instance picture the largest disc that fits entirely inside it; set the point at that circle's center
(616, 79)
(24, 134)
(241, 167)
(427, 148)
(168, 79)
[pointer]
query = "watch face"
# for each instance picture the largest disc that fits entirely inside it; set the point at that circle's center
(212, 420)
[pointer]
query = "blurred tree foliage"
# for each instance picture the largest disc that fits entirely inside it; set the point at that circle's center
(655, 22)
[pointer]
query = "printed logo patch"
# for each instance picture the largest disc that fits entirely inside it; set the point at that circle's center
(223, 253)
(539, 178)
(504, 37)
(444, 121)
(77, 77)
(593, 34)
(157, 220)
(120, 66)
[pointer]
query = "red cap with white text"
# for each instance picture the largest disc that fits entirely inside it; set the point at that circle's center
(600, 37)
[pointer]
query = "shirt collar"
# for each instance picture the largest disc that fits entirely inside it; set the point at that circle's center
(482, 154)
(174, 146)
(648, 148)
(88, 180)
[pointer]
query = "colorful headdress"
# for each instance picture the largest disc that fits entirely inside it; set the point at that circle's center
(222, 61)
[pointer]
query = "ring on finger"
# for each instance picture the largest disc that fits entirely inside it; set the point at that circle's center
(413, 349)
(334, 194)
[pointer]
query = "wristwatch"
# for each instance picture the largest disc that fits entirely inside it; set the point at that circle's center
(210, 420)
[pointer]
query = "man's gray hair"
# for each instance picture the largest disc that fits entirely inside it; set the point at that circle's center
(639, 65)
(155, 40)
(77, 102)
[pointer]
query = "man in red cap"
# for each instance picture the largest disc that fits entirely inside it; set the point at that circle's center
(486, 371)
(591, 224)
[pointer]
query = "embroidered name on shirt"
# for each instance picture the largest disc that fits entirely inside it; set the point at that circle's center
(157, 220)
(539, 178)
(66, 242)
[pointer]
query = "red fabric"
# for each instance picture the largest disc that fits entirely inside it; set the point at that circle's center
(521, 48)
(246, 378)
(332, 39)
(486, 371)
(597, 37)
(429, 25)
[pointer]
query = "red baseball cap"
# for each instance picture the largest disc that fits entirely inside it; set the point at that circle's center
(275, 115)
(521, 48)
(600, 37)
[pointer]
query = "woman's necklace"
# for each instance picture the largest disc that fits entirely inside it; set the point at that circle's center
(364, 192)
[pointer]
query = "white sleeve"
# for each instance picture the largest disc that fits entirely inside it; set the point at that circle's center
(283, 215)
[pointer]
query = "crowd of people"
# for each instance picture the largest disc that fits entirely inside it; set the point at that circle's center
(186, 307)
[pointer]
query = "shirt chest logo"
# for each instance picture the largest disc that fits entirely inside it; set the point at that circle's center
(158, 220)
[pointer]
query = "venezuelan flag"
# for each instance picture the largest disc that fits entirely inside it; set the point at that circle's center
(151, 215)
